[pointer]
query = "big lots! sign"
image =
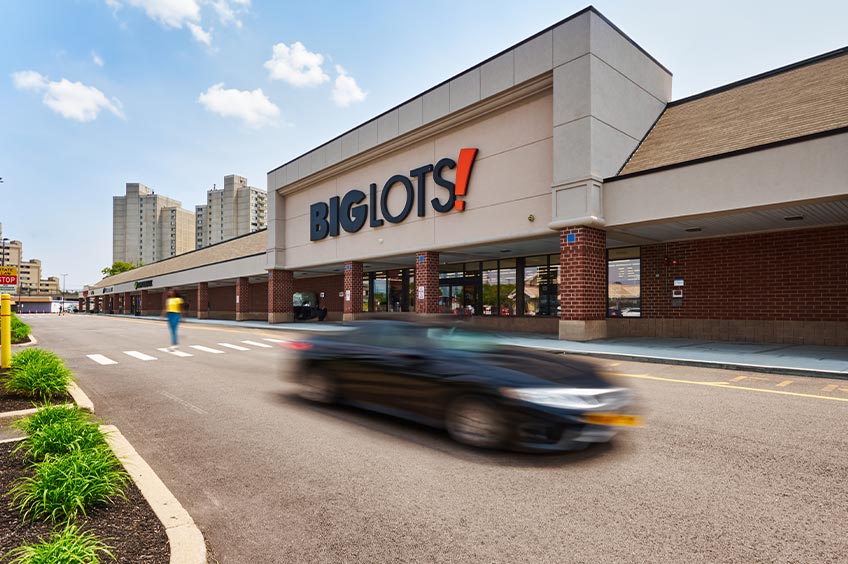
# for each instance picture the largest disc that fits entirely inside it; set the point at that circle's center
(351, 211)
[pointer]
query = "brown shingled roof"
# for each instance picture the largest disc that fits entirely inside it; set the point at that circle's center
(803, 99)
(243, 246)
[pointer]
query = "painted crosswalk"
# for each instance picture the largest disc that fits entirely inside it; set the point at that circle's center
(247, 345)
(207, 349)
(100, 359)
(234, 347)
(257, 344)
(139, 355)
(176, 352)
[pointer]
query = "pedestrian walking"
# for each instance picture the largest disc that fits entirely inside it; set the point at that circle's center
(173, 311)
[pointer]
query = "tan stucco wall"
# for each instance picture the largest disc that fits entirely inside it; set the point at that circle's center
(511, 179)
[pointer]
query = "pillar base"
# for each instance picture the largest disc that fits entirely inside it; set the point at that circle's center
(349, 317)
(280, 317)
(582, 330)
(203, 315)
(242, 316)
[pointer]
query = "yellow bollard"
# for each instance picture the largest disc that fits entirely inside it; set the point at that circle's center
(6, 331)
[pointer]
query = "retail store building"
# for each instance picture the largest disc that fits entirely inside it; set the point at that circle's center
(555, 188)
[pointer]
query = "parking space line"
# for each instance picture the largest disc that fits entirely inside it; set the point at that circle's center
(206, 349)
(178, 353)
(784, 383)
(829, 388)
(100, 359)
(738, 378)
(234, 347)
(270, 340)
(725, 386)
(256, 344)
(139, 355)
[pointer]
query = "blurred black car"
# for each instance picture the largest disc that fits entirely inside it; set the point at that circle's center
(484, 395)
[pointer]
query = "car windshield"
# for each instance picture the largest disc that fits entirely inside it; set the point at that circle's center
(454, 338)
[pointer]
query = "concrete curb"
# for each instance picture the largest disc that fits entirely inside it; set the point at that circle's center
(32, 341)
(80, 397)
(186, 540)
(765, 369)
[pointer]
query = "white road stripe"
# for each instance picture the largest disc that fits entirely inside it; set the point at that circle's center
(255, 344)
(178, 353)
(275, 340)
(100, 359)
(139, 355)
(234, 347)
(207, 349)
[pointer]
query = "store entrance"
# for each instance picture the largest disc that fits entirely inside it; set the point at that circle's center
(459, 296)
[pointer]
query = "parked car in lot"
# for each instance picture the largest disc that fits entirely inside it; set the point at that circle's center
(631, 312)
(484, 395)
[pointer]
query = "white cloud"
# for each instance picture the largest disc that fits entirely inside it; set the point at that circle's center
(253, 107)
(170, 13)
(296, 65)
(29, 80)
(200, 34)
(73, 100)
(345, 89)
(229, 10)
(96, 59)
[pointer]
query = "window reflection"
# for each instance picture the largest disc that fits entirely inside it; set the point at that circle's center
(624, 296)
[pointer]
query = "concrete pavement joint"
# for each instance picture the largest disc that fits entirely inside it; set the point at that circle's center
(186, 540)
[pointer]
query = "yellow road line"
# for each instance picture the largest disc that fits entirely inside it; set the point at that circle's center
(725, 386)
(784, 383)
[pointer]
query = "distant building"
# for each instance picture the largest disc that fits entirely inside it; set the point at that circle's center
(49, 286)
(29, 276)
(236, 210)
(147, 227)
(30, 282)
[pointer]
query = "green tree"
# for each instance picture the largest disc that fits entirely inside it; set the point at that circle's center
(117, 268)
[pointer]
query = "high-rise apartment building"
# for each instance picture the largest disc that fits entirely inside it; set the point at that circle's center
(236, 210)
(147, 227)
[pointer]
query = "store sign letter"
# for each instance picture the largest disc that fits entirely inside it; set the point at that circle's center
(351, 211)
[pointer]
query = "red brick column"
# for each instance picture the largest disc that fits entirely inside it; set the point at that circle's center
(126, 304)
(582, 285)
(98, 303)
(352, 289)
(427, 275)
(242, 298)
(87, 304)
(203, 300)
(144, 303)
(280, 292)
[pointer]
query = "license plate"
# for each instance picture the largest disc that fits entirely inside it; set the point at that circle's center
(615, 419)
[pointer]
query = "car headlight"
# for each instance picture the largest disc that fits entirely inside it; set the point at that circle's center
(572, 398)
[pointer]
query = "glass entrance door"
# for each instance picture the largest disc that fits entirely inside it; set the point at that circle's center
(459, 296)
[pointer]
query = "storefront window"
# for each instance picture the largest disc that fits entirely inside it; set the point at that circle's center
(380, 291)
(366, 286)
(412, 290)
(507, 283)
(490, 288)
(624, 297)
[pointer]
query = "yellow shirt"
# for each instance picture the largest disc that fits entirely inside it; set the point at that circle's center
(174, 305)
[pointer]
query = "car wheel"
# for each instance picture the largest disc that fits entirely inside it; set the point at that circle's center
(476, 422)
(318, 386)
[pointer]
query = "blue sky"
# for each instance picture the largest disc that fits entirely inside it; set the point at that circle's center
(176, 94)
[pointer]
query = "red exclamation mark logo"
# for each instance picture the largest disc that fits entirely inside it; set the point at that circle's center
(463, 171)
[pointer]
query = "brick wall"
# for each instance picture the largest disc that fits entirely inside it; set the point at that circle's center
(222, 299)
(202, 300)
(353, 283)
(784, 276)
(258, 302)
(330, 285)
(583, 274)
(280, 289)
(427, 275)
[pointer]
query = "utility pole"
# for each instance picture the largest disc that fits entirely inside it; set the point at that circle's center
(63, 294)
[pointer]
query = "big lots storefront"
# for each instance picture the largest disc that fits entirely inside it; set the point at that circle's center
(554, 188)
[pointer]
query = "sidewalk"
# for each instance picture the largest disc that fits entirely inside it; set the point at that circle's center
(797, 360)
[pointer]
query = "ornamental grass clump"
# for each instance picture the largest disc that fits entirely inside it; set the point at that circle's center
(39, 374)
(68, 545)
(65, 486)
(48, 414)
(20, 330)
(62, 437)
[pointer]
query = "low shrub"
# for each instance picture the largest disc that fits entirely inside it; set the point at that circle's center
(39, 374)
(64, 486)
(62, 437)
(68, 545)
(48, 415)
(20, 330)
